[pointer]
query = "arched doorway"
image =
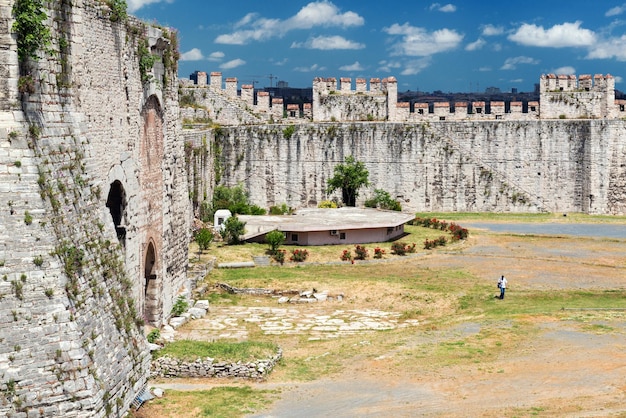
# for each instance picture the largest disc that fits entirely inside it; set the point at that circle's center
(151, 286)
(116, 202)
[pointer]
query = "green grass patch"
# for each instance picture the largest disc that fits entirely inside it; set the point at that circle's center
(188, 350)
(219, 402)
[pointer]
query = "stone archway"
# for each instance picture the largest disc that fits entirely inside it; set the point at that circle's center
(151, 308)
(116, 202)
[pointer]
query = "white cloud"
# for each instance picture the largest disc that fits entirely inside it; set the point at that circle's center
(192, 55)
(388, 66)
(609, 48)
(618, 79)
(134, 5)
(310, 69)
(447, 8)
(476, 45)
(567, 70)
(558, 36)
(352, 67)
(614, 11)
(491, 30)
(216, 56)
(484, 69)
(252, 27)
(419, 42)
(328, 43)
(232, 64)
(512, 63)
(413, 67)
(322, 13)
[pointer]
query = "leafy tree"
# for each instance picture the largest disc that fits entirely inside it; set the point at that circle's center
(233, 230)
(348, 177)
(275, 239)
(203, 238)
(234, 199)
(383, 200)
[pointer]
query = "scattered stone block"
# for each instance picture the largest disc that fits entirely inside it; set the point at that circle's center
(202, 304)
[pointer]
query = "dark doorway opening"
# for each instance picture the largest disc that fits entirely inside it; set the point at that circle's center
(116, 202)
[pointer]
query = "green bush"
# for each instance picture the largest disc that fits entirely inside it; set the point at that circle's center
(274, 239)
(233, 230)
(203, 238)
(153, 335)
(180, 306)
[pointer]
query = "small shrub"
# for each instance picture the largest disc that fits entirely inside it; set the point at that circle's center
(280, 210)
(410, 248)
(398, 248)
(274, 239)
(28, 218)
(289, 131)
(279, 256)
(299, 255)
(327, 204)
(153, 335)
(49, 292)
(38, 260)
(346, 255)
(379, 252)
(180, 306)
(203, 238)
(17, 163)
(360, 252)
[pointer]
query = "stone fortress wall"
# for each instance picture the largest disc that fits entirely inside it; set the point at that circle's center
(94, 213)
(565, 153)
(561, 97)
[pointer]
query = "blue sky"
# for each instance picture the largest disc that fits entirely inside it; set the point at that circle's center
(454, 47)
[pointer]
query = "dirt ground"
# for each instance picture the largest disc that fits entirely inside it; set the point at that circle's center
(566, 369)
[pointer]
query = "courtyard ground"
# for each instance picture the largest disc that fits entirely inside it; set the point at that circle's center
(567, 361)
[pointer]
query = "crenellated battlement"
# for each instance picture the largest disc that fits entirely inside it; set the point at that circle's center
(342, 100)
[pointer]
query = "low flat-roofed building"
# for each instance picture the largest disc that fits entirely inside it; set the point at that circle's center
(340, 226)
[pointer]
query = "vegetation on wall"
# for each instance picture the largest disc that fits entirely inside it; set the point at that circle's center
(30, 28)
(118, 10)
(146, 60)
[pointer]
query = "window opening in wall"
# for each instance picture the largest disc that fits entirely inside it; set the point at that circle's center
(294, 237)
(342, 235)
(116, 202)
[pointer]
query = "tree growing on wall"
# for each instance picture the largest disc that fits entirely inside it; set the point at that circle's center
(348, 177)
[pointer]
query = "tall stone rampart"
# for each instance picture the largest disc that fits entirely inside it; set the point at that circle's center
(491, 166)
(94, 216)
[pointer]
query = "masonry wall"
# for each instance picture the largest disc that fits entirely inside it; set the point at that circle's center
(77, 281)
(491, 166)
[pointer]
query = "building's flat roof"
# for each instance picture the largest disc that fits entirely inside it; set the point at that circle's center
(314, 219)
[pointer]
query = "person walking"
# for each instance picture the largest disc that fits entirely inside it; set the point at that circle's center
(502, 286)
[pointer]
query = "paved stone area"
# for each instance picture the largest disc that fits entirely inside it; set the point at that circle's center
(232, 322)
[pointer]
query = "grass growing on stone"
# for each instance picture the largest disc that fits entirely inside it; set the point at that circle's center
(219, 402)
(189, 350)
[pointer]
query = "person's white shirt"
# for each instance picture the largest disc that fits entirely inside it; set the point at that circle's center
(503, 282)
